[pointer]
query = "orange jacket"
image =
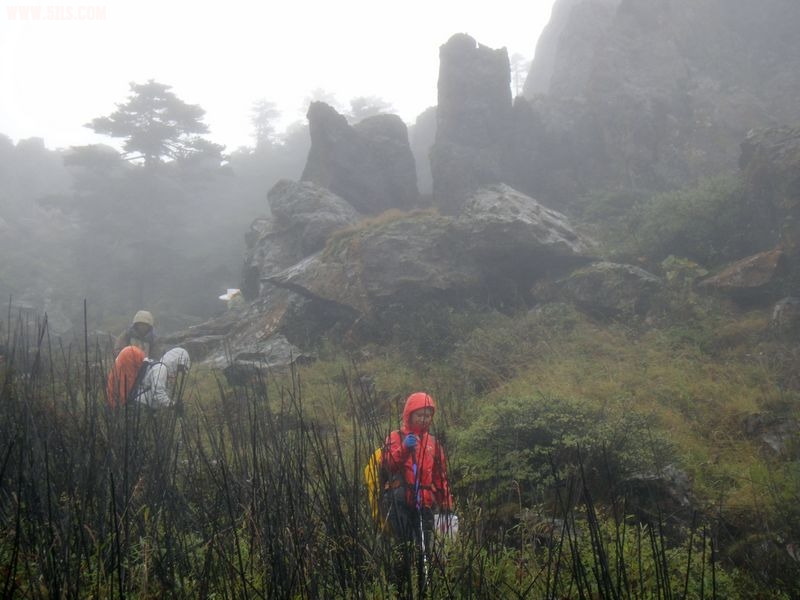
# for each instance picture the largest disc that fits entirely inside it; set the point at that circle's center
(122, 376)
(431, 463)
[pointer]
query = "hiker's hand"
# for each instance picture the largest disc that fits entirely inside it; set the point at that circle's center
(410, 442)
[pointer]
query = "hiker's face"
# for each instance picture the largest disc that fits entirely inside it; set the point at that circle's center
(421, 418)
(141, 329)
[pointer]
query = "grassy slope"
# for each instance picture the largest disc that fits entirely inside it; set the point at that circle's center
(696, 378)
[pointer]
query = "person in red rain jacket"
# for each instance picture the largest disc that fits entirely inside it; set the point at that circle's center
(418, 482)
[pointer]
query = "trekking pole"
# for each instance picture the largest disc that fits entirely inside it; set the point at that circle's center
(180, 381)
(421, 526)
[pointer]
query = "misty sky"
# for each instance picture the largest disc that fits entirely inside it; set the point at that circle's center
(63, 63)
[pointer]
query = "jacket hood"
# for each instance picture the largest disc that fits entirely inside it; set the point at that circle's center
(130, 357)
(175, 359)
(414, 402)
(143, 316)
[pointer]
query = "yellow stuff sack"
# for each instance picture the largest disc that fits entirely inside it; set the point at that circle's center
(373, 478)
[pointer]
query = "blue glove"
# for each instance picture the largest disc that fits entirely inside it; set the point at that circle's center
(410, 442)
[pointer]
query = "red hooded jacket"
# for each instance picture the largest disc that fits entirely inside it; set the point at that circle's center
(430, 459)
(122, 376)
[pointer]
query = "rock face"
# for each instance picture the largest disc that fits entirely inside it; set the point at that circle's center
(303, 216)
(499, 245)
(473, 121)
(308, 214)
(592, 17)
(511, 235)
(370, 164)
(501, 236)
(652, 93)
(253, 335)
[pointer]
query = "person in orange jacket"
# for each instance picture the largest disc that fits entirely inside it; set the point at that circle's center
(417, 466)
(123, 375)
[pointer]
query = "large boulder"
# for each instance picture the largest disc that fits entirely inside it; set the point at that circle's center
(473, 120)
(502, 236)
(264, 253)
(303, 217)
(393, 261)
(507, 231)
(369, 164)
(605, 289)
(259, 333)
(308, 213)
(750, 279)
(501, 243)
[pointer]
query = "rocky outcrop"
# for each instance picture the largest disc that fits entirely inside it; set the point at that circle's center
(774, 432)
(605, 289)
(369, 164)
(501, 237)
(511, 235)
(590, 18)
(786, 315)
(303, 216)
(654, 94)
(255, 334)
(397, 260)
(473, 121)
(501, 243)
(753, 278)
(665, 491)
(308, 214)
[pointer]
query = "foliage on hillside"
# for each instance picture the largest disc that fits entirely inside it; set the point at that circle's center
(713, 222)
(559, 431)
(526, 395)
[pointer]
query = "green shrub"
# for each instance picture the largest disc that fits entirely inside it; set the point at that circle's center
(711, 223)
(519, 448)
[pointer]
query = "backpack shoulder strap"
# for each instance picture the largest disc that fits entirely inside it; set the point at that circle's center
(388, 479)
(137, 388)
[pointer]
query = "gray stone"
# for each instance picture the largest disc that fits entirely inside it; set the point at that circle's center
(473, 121)
(274, 352)
(502, 235)
(786, 314)
(303, 217)
(605, 289)
(749, 279)
(370, 164)
(308, 213)
(775, 432)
